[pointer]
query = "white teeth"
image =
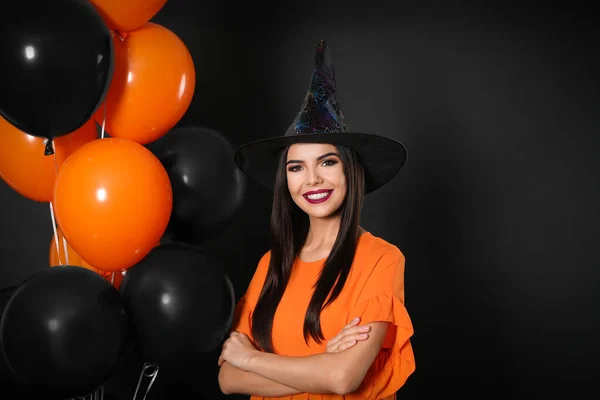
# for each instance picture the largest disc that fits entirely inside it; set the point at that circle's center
(318, 195)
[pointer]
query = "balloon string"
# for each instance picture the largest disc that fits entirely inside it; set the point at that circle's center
(66, 252)
(54, 225)
(144, 373)
(55, 161)
(103, 122)
(96, 395)
(55, 232)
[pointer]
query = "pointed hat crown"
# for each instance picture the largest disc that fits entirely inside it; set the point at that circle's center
(320, 112)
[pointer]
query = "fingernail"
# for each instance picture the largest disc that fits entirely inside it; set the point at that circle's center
(356, 319)
(365, 328)
(363, 336)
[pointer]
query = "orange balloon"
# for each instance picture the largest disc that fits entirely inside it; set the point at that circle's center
(113, 201)
(58, 258)
(127, 15)
(152, 86)
(25, 168)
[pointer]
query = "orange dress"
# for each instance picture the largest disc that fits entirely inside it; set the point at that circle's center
(374, 291)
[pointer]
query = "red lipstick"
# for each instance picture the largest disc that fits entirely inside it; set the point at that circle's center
(318, 196)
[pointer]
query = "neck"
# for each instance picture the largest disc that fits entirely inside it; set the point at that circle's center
(322, 232)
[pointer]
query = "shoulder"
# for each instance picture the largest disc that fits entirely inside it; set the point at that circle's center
(259, 276)
(378, 269)
(263, 266)
(265, 259)
(375, 253)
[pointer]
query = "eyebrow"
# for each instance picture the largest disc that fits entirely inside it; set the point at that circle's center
(318, 158)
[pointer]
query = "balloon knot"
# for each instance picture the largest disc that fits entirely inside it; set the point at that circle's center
(121, 36)
(49, 150)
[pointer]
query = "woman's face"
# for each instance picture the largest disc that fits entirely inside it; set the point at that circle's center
(315, 178)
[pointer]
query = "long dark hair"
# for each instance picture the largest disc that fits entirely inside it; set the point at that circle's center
(289, 229)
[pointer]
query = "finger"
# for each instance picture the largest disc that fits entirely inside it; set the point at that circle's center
(349, 325)
(351, 338)
(352, 323)
(345, 345)
(354, 331)
(356, 337)
(332, 349)
(334, 340)
(350, 329)
(337, 337)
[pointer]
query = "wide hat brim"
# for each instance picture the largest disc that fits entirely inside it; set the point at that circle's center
(381, 156)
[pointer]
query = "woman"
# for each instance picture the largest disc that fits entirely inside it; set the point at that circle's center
(295, 333)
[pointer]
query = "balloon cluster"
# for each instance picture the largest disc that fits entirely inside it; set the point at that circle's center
(70, 66)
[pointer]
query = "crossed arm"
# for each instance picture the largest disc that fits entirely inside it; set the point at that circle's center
(235, 380)
(272, 375)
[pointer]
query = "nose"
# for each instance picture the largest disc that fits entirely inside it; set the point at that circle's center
(313, 177)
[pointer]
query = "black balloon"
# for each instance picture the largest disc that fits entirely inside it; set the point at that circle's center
(5, 295)
(208, 187)
(180, 302)
(56, 63)
(64, 331)
(6, 374)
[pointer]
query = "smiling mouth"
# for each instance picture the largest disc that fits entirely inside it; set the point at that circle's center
(318, 197)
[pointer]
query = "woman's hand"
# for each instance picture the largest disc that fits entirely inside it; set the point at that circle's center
(348, 336)
(237, 350)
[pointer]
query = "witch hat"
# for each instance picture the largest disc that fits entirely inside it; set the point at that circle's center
(321, 120)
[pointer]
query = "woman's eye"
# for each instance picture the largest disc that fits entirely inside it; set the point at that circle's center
(329, 162)
(294, 168)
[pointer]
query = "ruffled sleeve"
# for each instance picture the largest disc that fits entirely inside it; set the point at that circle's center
(245, 305)
(382, 299)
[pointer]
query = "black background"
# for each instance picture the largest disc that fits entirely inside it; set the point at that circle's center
(496, 210)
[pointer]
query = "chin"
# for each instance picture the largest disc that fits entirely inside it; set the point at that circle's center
(324, 214)
(321, 215)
